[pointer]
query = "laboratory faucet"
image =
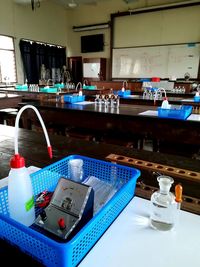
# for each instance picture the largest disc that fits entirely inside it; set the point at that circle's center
(85, 82)
(48, 82)
(158, 93)
(124, 85)
(198, 88)
(79, 83)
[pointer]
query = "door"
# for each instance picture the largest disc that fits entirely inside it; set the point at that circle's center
(76, 68)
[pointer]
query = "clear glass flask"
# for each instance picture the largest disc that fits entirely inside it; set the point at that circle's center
(163, 205)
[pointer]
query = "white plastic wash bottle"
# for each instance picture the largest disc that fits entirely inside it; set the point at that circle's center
(20, 192)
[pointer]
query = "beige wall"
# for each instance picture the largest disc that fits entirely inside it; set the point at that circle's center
(47, 24)
(53, 24)
(163, 23)
(157, 28)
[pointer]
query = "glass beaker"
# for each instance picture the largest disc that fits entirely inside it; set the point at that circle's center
(163, 205)
(76, 169)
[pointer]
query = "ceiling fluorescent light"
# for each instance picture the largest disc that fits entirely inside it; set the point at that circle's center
(91, 27)
(72, 5)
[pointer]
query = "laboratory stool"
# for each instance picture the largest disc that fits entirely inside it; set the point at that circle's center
(120, 140)
(81, 133)
(51, 128)
(186, 150)
(8, 116)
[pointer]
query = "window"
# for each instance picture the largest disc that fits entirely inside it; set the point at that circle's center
(7, 60)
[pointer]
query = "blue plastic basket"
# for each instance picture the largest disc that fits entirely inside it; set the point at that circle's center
(124, 94)
(145, 80)
(73, 98)
(50, 252)
(196, 98)
(181, 113)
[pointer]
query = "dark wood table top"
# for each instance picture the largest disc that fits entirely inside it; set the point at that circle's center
(32, 146)
(122, 110)
(137, 99)
(4, 95)
(125, 118)
(8, 100)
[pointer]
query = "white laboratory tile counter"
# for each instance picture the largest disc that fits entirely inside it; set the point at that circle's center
(130, 241)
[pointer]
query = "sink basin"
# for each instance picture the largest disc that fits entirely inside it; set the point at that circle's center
(21, 87)
(59, 85)
(89, 87)
(49, 90)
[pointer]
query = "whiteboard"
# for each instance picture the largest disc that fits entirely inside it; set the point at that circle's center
(91, 70)
(165, 61)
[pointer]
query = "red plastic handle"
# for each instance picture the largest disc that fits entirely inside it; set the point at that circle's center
(50, 152)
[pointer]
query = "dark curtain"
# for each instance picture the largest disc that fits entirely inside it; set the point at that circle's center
(34, 55)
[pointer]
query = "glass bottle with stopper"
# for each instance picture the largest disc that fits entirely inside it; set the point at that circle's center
(163, 205)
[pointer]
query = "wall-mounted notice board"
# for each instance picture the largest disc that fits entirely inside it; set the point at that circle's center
(164, 61)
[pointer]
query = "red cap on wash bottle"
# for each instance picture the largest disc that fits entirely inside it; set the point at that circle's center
(17, 162)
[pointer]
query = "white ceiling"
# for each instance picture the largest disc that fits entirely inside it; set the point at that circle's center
(75, 3)
(65, 3)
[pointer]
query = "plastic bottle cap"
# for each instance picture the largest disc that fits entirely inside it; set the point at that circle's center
(17, 162)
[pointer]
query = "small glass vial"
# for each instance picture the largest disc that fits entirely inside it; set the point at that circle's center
(57, 97)
(96, 101)
(80, 93)
(163, 205)
(117, 101)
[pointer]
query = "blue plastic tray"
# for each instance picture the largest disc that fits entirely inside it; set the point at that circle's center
(73, 98)
(124, 94)
(50, 252)
(181, 113)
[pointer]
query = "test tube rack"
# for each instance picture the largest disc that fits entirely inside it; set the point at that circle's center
(191, 204)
